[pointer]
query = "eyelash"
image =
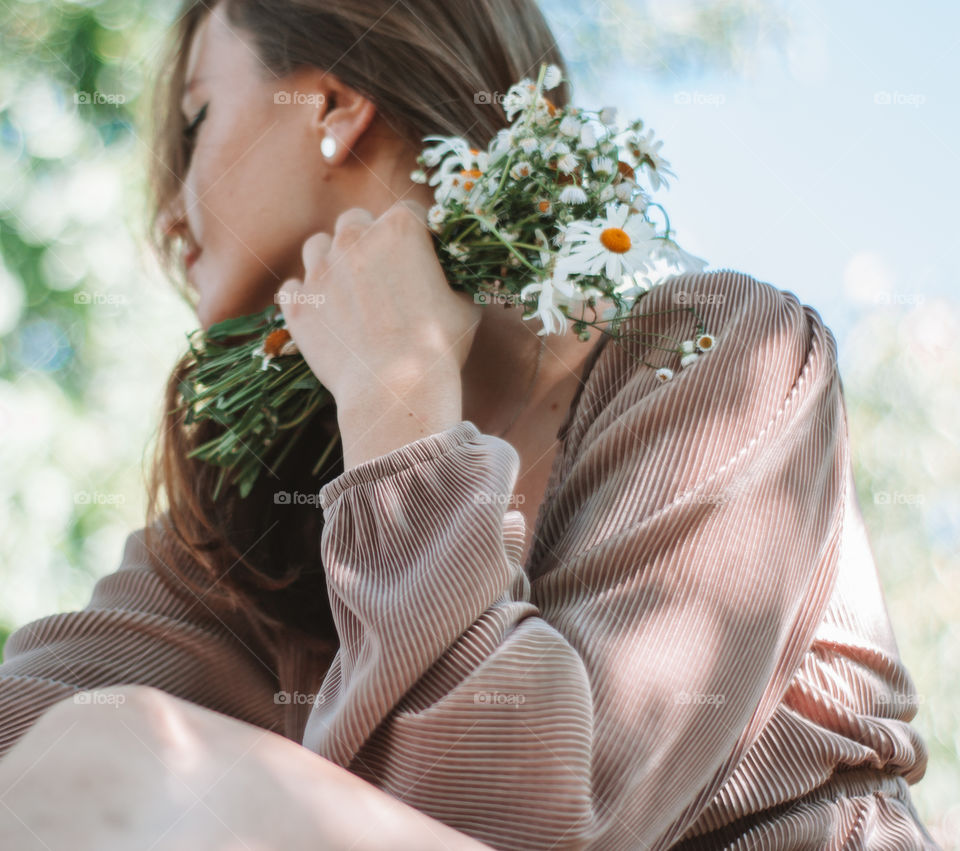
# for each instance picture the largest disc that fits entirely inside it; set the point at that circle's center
(189, 132)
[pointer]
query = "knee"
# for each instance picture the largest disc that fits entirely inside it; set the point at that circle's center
(138, 710)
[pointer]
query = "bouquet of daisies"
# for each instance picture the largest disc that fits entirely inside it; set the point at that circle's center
(550, 218)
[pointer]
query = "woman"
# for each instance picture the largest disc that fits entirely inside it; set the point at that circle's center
(544, 599)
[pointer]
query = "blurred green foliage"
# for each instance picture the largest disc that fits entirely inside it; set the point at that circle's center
(58, 58)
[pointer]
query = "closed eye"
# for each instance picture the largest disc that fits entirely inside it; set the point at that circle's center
(189, 132)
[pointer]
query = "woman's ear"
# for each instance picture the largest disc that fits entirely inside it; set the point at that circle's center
(343, 118)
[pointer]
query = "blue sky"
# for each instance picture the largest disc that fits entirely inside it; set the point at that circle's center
(800, 177)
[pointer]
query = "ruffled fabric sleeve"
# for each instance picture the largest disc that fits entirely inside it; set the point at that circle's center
(135, 630)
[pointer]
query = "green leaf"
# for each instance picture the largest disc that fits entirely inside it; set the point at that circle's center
(240, 325)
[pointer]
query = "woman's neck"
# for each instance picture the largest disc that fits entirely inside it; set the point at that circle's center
(496, 378)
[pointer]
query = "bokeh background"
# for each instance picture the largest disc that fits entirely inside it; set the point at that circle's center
(816, 148)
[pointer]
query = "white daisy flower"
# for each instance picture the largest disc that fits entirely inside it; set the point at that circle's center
(552, 77)
(450, 190)
(641, 201)
(521, 170)
(570, 126)
(663, 374)
(705, 342)
(448, 145)
(567, 163)
(276, 344)
(543, 116)
(518, 98)
(573, 194)
(551, 317)
(554, 148)
(436, 216)
(647, 153)
(616, 245)
(457, 156)
(624, 191)
(528, 144)
(672, 254)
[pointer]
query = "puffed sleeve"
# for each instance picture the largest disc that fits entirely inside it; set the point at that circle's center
(135, 630)
(685, 557)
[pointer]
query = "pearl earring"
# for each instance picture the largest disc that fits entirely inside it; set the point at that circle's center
(328, 147)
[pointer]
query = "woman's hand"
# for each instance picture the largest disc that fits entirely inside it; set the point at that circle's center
(381, 328)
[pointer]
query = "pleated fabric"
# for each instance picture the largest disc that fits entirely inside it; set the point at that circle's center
(695, 655)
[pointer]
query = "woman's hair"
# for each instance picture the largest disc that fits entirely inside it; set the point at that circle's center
(429, 67)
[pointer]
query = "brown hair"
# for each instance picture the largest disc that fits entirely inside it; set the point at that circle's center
(423, 64)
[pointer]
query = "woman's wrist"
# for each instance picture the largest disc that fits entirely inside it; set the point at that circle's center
(377, 418)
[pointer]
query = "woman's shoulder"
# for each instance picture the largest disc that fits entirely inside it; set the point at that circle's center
(743, 317)
(637, 444)
(765, 346)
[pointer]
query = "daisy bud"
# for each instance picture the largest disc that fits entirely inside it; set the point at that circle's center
(608, 115)
(689, 360)
(529, 144)
(687, 347)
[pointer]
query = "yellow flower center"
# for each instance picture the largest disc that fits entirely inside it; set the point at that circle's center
(705, 342)
(616, 240)
(275, 342)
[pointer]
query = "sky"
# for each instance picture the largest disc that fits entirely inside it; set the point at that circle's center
(832, 169)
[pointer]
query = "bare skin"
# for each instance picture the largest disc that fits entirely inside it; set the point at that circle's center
(264, 212)
(136, 768)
